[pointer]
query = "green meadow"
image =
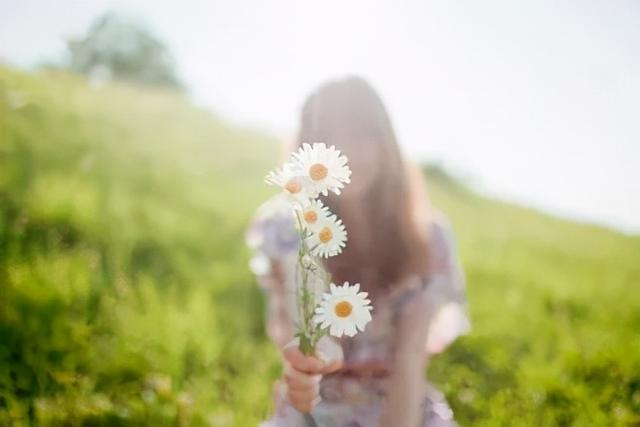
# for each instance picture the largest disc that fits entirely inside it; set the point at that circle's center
(125, 297)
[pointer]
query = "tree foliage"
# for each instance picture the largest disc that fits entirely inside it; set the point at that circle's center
(120, 48)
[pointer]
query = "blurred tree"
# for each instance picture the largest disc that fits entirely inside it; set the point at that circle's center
(119, 48)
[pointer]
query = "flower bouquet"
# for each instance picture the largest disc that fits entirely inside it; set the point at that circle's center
(314, 170)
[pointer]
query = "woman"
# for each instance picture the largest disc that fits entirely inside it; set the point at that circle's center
(398, 250)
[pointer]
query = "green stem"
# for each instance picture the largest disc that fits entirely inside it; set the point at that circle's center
(305, 297)
(306, 266)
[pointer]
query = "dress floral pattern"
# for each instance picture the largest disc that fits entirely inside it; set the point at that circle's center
(353, 396)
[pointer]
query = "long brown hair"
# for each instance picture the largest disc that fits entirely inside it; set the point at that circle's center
(387, 242)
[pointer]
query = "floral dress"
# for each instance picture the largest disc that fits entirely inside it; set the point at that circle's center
(353, 396)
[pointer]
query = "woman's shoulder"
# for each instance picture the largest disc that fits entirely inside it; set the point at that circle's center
(439, 227)
(274, 206)
(446, 275)
(272, 228)
(444, 279)
(442, 245)
(444, 289)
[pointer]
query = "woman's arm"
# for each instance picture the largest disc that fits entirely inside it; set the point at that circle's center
(301, 373)
(406, 386)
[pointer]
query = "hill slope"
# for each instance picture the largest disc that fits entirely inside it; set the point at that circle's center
(126, 298)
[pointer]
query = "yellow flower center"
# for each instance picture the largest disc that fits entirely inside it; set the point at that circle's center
(310, 217)
(325, 235)
(293, 186)
(343, 309)
(318, 171)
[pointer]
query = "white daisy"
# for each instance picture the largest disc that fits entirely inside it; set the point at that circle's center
(328, 237)
(326, 168)
(314, 215)
(344, 310)
(295, 187)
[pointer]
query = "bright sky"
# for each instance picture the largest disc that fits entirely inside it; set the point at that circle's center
(535, 101)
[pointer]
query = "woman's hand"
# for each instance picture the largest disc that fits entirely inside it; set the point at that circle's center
(302, 373)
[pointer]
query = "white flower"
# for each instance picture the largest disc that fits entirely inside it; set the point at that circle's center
(344, 310)
(295, 187)
(328, 237)
(326, 168)
(314, 215)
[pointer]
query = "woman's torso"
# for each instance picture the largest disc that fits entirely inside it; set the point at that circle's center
(354, 395)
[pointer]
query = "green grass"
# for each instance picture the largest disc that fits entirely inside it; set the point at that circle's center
(125, 297)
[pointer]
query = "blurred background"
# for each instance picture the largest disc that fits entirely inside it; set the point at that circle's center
(134, 137)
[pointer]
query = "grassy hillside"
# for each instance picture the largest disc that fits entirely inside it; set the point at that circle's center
(125, 297)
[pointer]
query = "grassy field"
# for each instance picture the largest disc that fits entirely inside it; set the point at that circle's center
(125, 298)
